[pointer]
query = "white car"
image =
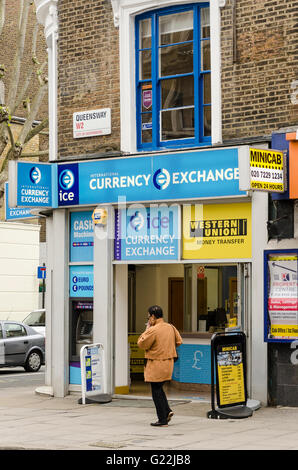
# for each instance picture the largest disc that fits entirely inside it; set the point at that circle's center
(37, 321)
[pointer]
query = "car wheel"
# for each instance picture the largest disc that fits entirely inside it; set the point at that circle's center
(33, 362)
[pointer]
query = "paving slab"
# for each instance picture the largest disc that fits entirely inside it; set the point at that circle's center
(33, 422)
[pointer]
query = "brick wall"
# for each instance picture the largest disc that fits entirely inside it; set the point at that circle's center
(88, 72)
(259, 64)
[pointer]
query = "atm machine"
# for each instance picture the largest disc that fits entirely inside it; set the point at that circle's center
(81, 326)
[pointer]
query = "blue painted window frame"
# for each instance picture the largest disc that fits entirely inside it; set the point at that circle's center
(198, 74)
(267, 254)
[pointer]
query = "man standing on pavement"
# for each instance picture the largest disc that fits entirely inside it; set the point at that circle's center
(159, 340)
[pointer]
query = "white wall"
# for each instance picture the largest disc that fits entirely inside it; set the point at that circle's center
(152, 289)
(19, 258)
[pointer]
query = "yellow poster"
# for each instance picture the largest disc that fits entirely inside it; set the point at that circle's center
(217, 231)
(267, 170)
(136, 354)
(230, 376)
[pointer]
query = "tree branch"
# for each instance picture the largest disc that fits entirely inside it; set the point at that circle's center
(34, 62)
(33, 113)
(34, 154)
(25, 4)
(37, 130)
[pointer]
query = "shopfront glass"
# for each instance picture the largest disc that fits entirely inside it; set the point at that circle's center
(203, 298)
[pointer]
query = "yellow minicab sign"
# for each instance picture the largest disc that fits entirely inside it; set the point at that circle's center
(267, 170)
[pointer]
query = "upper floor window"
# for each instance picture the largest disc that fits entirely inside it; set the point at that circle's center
(173, 78)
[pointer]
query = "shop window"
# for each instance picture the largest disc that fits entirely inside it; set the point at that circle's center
(173, 78)
(280, 219)
(211, 302)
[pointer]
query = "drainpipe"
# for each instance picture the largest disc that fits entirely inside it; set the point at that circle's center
(46, 12)
(215, 45)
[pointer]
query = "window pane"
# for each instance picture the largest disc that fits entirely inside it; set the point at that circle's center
(175, 60)
(205, 23)
(147, 97)
(207, 121)
(205, 55)
(13, 330)
(145, 65)
(177, 124)
(145, 33)
(1, 333)
(207, 88)
(177, 92)
(146, 127)
(176, 28)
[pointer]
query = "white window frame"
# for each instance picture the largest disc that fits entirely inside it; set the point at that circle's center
(125, 12)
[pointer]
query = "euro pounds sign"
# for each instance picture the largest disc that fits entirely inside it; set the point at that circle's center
(267, 170)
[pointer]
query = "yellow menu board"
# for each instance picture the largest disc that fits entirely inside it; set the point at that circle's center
(217, 231)
(230, 375)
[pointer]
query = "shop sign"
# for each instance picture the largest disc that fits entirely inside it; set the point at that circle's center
(16, 213)
(262, 170)
(200, 272)
(93, 378)
(228, 358)
(147, 233)
(81, 281)
(100, 216)
(267, 170)
(230, 374)
(91, 123)
(30, 184)
(282, 297)
(204, 174)
(81, 236)
(217, 231)
(147, 99)
(136, 355)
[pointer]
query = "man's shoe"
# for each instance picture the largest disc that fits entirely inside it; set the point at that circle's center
(158, 423)
(170, 415)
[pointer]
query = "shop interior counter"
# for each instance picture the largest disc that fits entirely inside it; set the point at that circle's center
(193, 368)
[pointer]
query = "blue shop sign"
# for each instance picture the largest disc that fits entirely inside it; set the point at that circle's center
(16, 213)
(81, 236)
(31, 184)
(81, 281)
(191, 175)
(147, 233)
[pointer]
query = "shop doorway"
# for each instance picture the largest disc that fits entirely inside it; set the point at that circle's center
(176, 301)
(198, 299)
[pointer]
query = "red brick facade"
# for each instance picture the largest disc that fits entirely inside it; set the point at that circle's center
(259, 64)
(88, 64)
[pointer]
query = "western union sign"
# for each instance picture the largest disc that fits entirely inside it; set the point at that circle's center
(267, 170)
(218, 228)
(217, 231)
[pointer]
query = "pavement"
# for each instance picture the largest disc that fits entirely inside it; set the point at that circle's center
(30, 421)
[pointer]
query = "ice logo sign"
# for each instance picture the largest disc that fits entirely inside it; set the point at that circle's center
(66, 179)
(137, 221)
(68, 185)
(161, 178)
(35, 175)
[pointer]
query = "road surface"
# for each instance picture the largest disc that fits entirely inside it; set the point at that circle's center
(17, 377)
